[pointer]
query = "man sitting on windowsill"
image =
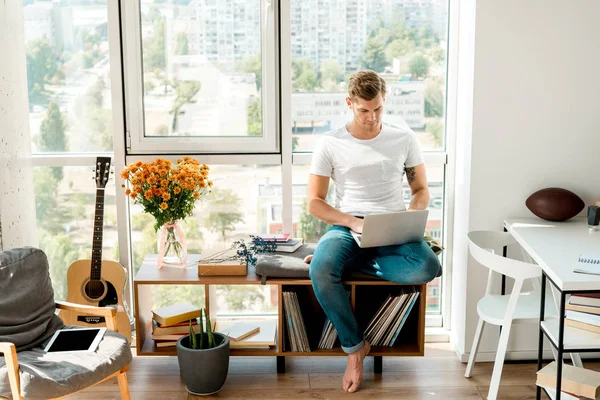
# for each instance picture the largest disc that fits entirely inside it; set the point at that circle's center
(366, 160)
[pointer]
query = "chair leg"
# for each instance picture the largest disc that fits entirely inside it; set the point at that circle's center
(123, 385)
(576, 357)
(499, 362)
(475, 347)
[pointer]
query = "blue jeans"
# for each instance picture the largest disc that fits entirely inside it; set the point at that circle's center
(337, 252)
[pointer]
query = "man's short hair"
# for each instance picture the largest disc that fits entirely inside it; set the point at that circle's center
(366, 84)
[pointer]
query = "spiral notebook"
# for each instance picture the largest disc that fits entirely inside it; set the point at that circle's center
(588, 264)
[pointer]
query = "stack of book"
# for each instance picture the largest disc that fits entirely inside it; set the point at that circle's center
(386, 324)
(295, 323)
(576, 383)
(583, 312)
(285, 242)
(250, 334)
(172, 322)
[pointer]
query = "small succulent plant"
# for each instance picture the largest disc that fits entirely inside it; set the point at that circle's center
(204, 343)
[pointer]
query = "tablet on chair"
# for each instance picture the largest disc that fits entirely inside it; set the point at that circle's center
(84, 339)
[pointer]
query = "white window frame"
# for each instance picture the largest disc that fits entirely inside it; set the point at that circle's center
(136, 140)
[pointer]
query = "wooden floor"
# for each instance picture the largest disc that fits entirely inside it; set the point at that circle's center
(438, 375)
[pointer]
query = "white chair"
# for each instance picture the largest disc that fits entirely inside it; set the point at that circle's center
(503, 309)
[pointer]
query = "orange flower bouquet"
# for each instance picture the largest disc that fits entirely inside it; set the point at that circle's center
(168, 193)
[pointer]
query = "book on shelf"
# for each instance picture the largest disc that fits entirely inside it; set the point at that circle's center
(265, 338)
(576, 381)
(585, 299)
(182, 327)
(290, 246)
(582, 325)
(385, 326)
(175, 313)
(295, 323)
(584, 309)
(242, 330)
(168, 337)
(277, 237)
(166, 344)
(587, 318)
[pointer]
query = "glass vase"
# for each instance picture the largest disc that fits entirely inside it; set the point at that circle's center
(172, 249)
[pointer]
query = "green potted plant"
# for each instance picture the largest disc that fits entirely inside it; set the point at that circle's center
(203, 358)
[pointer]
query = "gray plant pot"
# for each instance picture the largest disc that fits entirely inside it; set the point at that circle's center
(203, 370)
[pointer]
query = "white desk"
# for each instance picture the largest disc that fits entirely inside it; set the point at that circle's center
(555, 246)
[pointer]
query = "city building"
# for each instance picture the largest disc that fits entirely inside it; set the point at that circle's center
(224, 31)
(51, 21)
(321, 112)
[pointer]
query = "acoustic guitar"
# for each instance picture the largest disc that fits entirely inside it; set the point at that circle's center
(96, 282)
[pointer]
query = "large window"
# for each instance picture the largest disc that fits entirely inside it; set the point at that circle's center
(68, 76)
(403, 40)
(204, 64)
(245, 86)
(70, 117)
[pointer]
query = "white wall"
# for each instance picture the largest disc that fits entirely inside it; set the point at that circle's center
(528, 118)
(17, 204)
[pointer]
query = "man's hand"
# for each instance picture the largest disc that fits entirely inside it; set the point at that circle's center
(357, 225)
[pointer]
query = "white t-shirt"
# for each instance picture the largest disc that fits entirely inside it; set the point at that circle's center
(367, 173)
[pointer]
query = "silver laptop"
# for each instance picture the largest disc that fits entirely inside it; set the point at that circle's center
(392, 229)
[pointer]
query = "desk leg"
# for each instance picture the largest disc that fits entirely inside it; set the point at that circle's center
(561, 347)
(538, 389)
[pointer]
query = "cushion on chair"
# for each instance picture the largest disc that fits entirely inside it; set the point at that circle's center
(47, 375)
(27, 304)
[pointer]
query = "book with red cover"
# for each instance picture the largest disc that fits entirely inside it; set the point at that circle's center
(278, 237)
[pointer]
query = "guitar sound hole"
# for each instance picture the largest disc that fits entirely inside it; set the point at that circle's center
(94, 289)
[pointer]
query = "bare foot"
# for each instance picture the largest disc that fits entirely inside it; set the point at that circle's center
(354, 371)
(307, 259)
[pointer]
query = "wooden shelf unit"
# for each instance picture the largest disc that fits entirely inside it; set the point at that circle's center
(366, 296)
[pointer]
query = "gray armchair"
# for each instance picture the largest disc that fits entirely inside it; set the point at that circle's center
(28, 320)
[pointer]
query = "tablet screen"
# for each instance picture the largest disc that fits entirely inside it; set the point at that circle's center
(75, 340)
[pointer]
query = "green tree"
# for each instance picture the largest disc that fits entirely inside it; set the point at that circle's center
(254, 115)
(331, 71)
(373, 56)
(398, 48)
(184, 92)
(45, 187)
(304, 75)
(61, 254)
(310, 228)
(155, 50)
(52, 134)
(167, 295)
(435, 126)
(252, 65)
(418, 66)
(42, 65)
(434, 99)
(182, 47)
(241, 297)
(52, 129)
(224, 211)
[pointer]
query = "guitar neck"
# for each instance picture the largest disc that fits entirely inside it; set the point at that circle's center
(96, 267)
